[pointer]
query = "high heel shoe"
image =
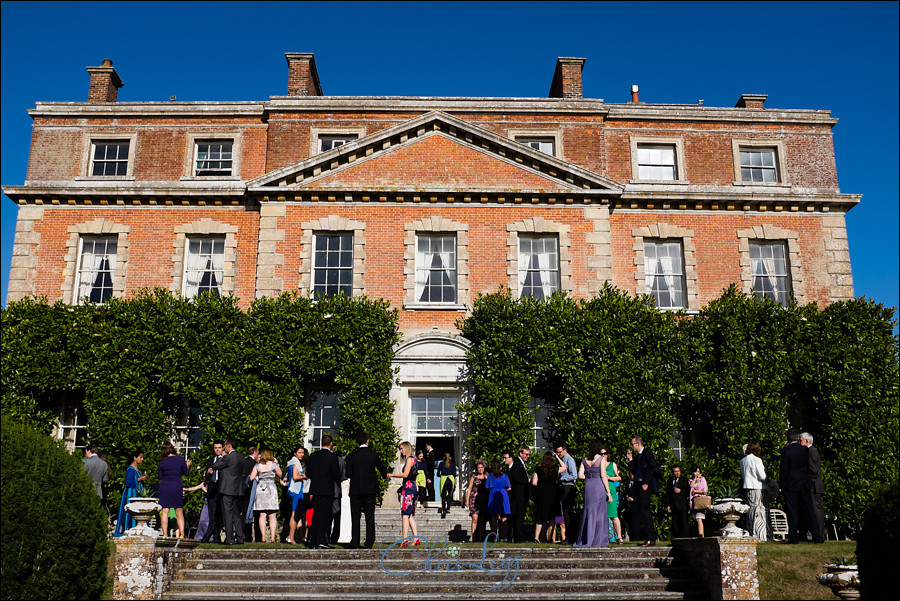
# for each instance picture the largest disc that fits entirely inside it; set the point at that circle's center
(417, 542)
(405, 543)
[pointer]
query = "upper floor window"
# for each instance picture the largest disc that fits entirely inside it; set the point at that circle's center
(109, 158)
(213, 158)
(770, 271)
(436, 268)
(333, 264)
(547, 145)
(656, 162)
(96, 268)
(204, 265)
(328, 141)
(664, 272)
(538, 266)
(759, 165)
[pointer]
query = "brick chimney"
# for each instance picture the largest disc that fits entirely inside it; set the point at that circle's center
(105, 83)
(567, 78)
(751, 101)
(303, 79)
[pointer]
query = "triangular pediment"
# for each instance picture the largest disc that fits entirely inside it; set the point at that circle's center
(435, 152)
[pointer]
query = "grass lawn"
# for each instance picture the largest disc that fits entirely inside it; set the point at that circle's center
(791, 571)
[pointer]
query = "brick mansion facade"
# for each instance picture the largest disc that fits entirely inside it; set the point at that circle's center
(427, 202)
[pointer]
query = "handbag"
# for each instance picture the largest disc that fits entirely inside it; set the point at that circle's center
(702, 502)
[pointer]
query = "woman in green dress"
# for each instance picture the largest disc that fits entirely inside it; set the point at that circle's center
(612, 505)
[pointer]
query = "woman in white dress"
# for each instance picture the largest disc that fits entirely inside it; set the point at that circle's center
(266, 501)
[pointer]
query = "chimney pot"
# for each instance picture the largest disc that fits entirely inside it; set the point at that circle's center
(303, 78)
(634, 93)
(105, 83)
(567, 78)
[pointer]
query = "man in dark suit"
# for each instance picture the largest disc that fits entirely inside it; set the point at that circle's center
(365, 470)
(816, 487)
(646, 472)
(251, 526)
(324, 472)
(677, 490)
(795, 484)
(231, 488)
(431, 475)
(518, 478)
(212, 498)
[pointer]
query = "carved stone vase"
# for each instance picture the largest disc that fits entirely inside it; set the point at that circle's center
(731, 510)
(143, 509)
(842, 579)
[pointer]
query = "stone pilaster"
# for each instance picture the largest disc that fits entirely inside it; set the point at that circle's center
(600, 240)
(23, 270)
(837, 258)
(268, 259)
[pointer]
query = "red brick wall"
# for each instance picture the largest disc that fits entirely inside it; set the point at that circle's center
(150, 245)
(717, 253)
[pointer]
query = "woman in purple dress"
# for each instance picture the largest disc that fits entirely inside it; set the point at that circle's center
(172, 468)
(594, 530)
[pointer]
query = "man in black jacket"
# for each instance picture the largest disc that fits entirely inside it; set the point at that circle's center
(646, 472)
(324, 472)
(213, 508)
(518, 478)
(816, 487)
(365, 470)
(796, 485)
(677, 490)
(231, 488)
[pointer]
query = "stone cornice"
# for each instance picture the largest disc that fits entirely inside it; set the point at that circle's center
(691, 112)
(148, 109)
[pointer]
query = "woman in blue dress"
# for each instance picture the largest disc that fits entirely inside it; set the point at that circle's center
(171, 471)
(498, 487)
(134, 487)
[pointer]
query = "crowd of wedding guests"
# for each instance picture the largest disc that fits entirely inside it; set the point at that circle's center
(242, 500)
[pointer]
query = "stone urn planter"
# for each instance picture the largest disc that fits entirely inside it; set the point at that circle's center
(143, 509)
(843, 580)
(731, 509)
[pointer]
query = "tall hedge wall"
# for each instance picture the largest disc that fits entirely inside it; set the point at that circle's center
(743, 369)
(132, 362)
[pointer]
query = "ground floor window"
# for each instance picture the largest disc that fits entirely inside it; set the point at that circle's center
(323, 417)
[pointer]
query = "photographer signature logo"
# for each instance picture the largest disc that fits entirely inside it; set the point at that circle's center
(441, 556)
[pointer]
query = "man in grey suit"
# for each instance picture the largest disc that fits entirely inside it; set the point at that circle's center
(96, 469)
(231, 489)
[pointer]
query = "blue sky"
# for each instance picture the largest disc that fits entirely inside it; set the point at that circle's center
(837, 56)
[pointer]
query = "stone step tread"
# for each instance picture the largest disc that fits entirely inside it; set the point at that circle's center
(251, 588)
(369, 574)
(455, 595)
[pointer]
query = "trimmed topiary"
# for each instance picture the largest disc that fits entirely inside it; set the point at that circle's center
(54, 534)
(876, 549)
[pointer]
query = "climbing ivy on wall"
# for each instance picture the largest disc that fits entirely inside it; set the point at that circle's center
(613, 367)
(132, 363)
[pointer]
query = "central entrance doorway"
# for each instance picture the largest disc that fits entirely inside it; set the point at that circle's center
(435, 421)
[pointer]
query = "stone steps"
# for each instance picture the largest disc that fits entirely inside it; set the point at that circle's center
(391, 573)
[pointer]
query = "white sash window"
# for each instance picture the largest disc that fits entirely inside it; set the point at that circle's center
(436, 268)
(664, 272)
(204, 266)
(656, 162)
(333, 265)
(538, 266)
(769, 268)
(96, 268)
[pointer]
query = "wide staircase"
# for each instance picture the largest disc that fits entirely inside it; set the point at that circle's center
(438, 569)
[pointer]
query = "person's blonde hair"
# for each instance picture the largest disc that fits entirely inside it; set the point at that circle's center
(265, 456)
(406, 449)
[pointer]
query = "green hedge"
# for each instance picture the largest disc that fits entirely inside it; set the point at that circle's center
(133, 362)
(743, 369)
(54, 530)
